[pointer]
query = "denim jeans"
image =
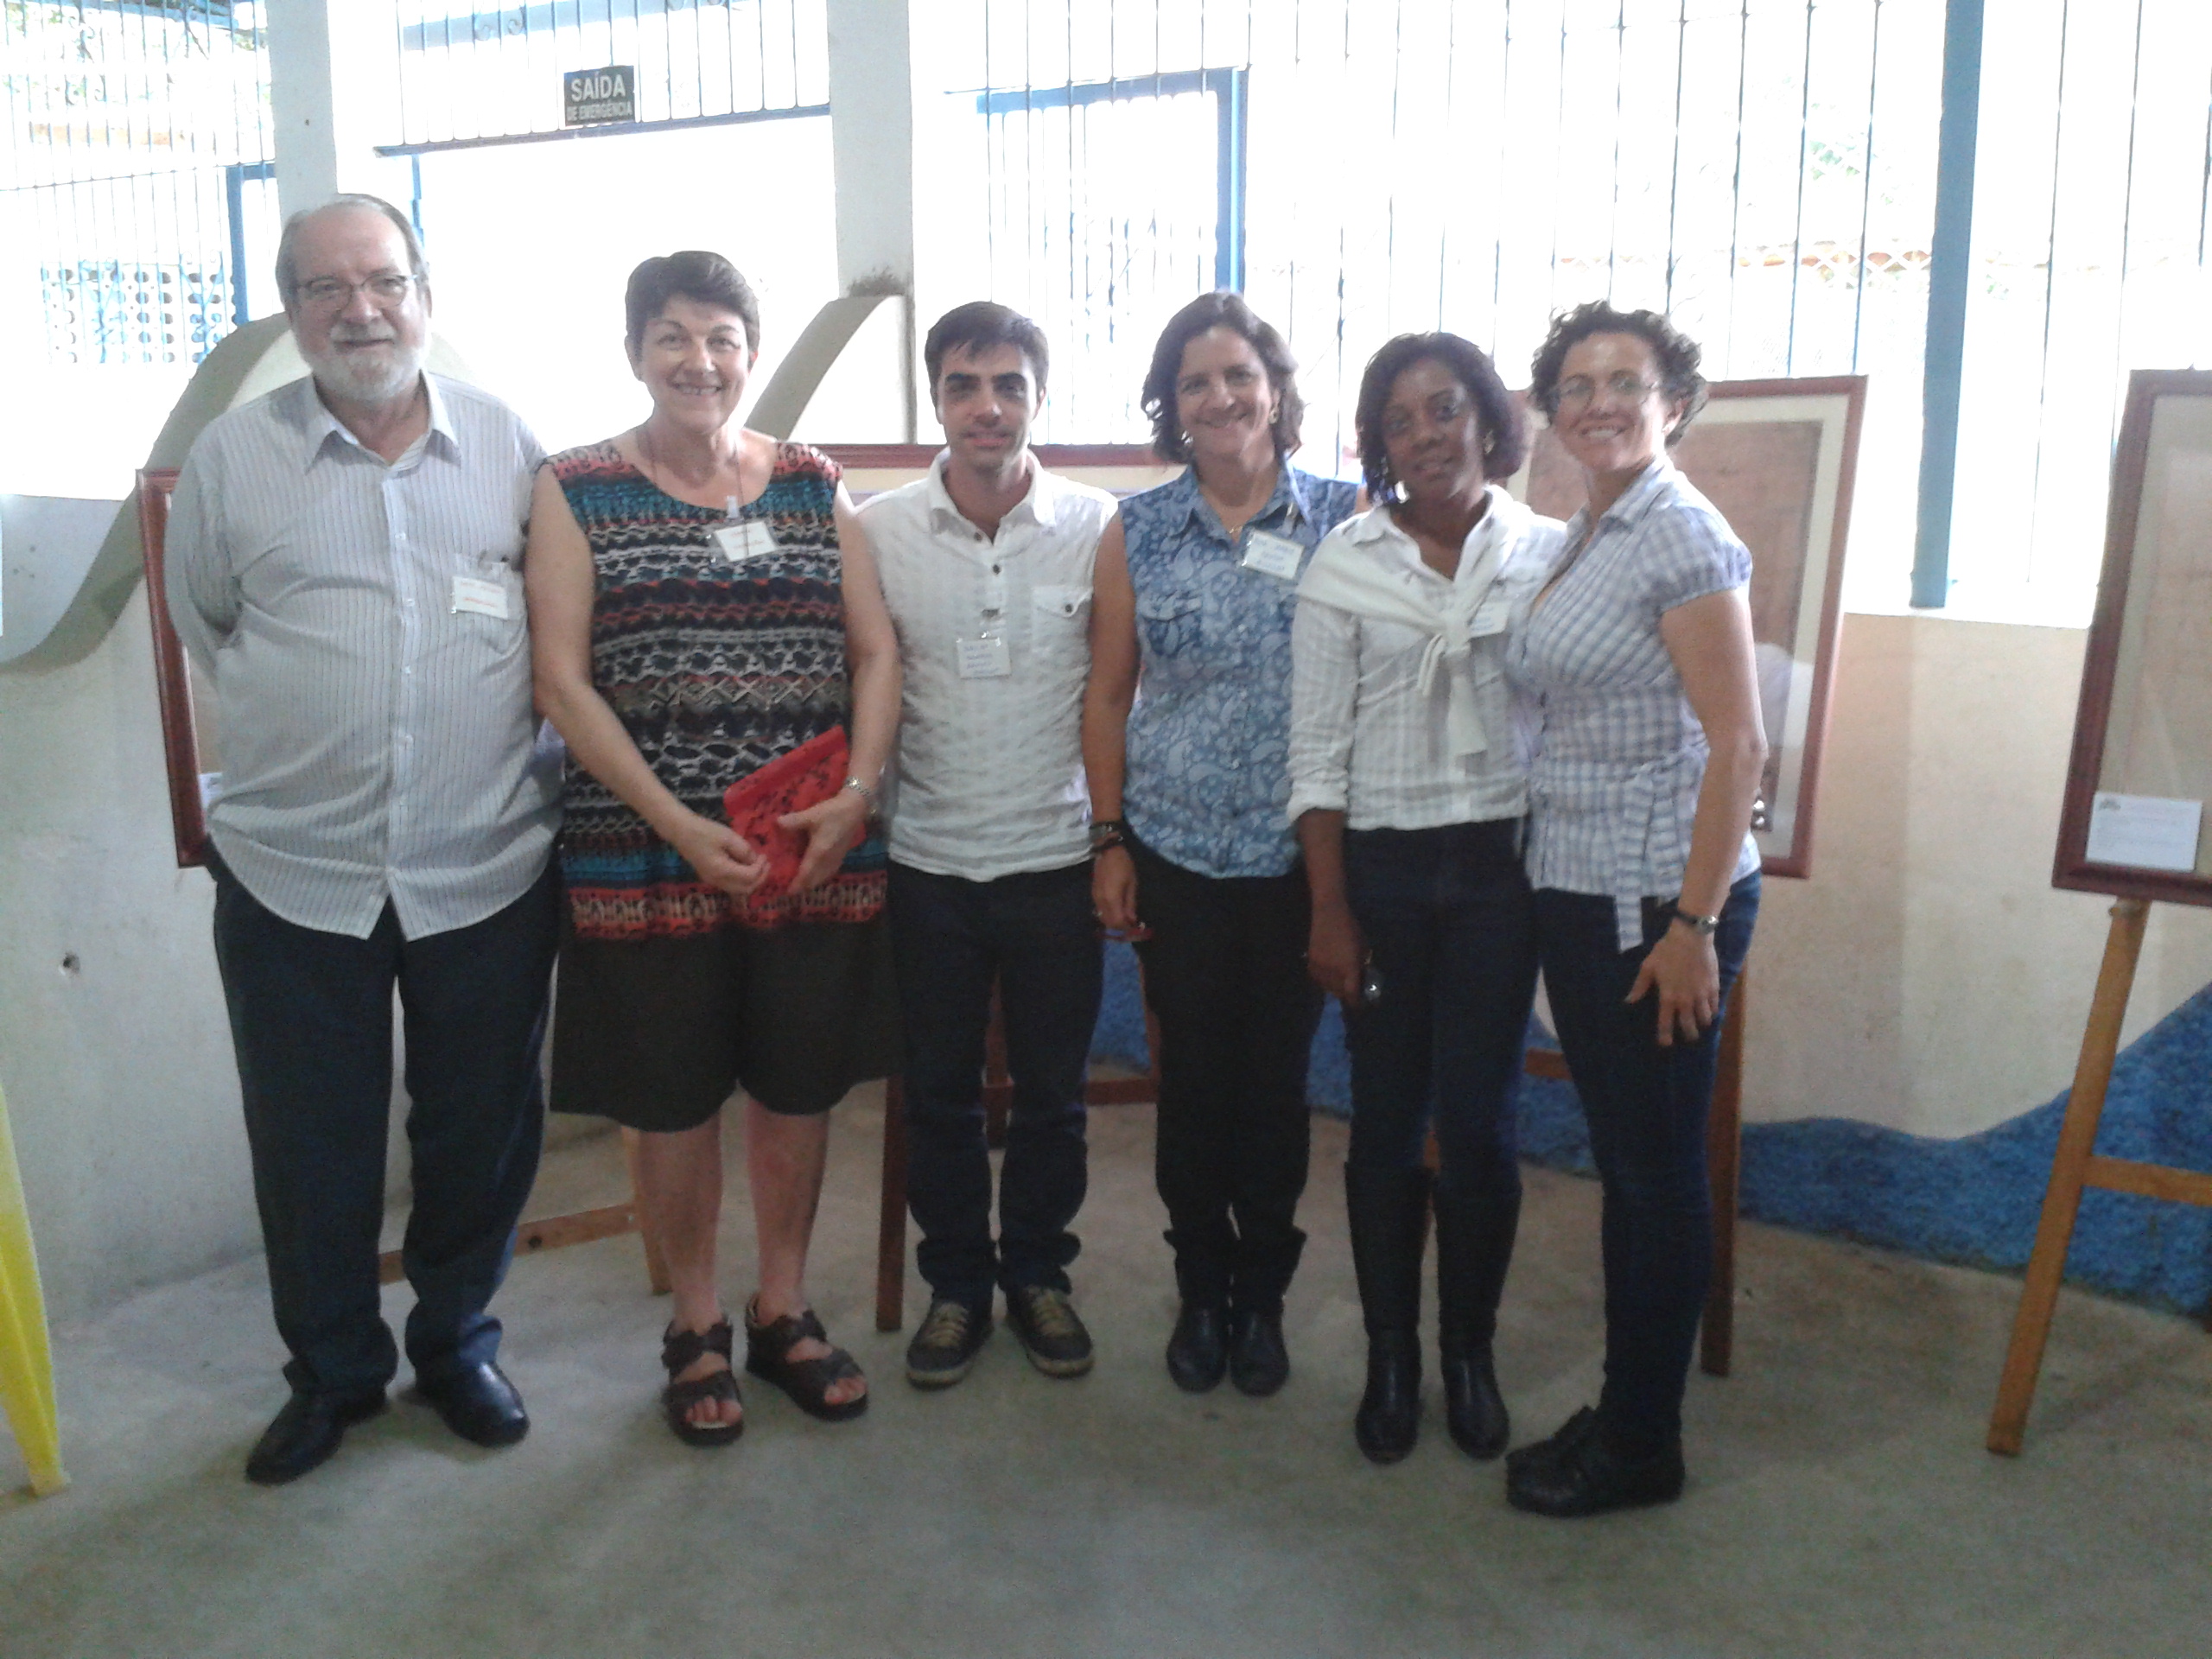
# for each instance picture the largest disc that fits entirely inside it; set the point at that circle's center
(1035, 934)
(1451, 941)
(1646, 1107)
(1225, 975)
(311, 1021)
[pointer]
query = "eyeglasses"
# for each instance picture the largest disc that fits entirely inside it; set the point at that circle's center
(1572, 394)
(329, 293)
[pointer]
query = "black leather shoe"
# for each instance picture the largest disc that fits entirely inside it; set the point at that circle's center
(478, 1403)
(1577, 1473)
(1198, 1353)
(1389, 1412)
(303, 1435)
(1259, 1364)
(1472, 1405)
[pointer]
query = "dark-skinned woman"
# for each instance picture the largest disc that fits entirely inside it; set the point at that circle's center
(1194, 588)
(1409, 792)
(1636, 663)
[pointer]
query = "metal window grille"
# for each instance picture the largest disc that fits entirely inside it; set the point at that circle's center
(136, 172)
(471, 74)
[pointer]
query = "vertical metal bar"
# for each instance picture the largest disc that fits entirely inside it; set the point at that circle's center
(1674, 162)
(1559, 157)
(2127, 219)
(1736, 183)
(1949, 271)
(1620, 94)
(2205, 193)
(414, 203)
(1867, 183)
(1451, 87)
(234, 198)
(1231, 160)
(399, 60)
(1498, 230)
(1798, 229)
(2051, 271)
(1391, 172)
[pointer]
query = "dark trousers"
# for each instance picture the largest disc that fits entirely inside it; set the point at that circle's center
(1450, 938)
(1035, 936)
(1224, 974)
(1646, 1107)
(311, 1021)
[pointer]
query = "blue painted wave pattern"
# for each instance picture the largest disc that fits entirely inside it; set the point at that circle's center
(1974, 1201)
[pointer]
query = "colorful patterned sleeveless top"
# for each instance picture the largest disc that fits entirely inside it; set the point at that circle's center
(715, 667)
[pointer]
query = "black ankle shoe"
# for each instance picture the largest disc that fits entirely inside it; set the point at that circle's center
(1198, 1353)
(1259, 1364)
(305, 1434)
(1389, 1412)
(1577, 1473)
(1472, 1405)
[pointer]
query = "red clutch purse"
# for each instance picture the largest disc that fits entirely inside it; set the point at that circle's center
(808, 775)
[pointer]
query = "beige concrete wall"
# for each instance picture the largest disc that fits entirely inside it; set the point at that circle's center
(1929, 977)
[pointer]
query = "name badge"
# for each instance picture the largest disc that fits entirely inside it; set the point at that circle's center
(748, 540)
(984, 658)
(1272, 555)
(481, 595)
(1491, 617)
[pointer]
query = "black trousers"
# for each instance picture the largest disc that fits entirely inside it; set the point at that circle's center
(311, 1021)
(950, 938)
(1646, 1107)
(1224, 974)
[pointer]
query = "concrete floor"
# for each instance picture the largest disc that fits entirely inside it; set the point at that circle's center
(1841, 1500)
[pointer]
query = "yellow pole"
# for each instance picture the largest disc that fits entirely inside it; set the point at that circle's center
(26, 1363)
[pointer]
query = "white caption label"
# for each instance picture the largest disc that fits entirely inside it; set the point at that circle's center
(481, 595)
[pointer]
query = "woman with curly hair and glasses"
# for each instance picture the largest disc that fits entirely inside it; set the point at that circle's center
(1636, 662)
(1409, 792)
(1194, 588)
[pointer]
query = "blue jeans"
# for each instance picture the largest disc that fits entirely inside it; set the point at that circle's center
(1451, 940)
(1646, 1107)
(311, 1021)
(950, 938)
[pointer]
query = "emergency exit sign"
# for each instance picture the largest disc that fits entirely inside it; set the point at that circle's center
(591, 96)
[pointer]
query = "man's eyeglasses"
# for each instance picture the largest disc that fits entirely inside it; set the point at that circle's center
(1573, 394)
(329, 293)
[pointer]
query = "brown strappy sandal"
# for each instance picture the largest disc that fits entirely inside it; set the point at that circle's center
(767, 1355)
(679, 1351)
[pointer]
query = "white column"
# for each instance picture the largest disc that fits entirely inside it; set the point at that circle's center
(334, 95)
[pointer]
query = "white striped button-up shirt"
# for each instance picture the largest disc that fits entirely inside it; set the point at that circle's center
(1366, 738)
(988, 780)
(1619, 754)
(376, 734)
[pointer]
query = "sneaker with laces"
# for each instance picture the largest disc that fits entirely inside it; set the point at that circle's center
(1049, 1329)
(943, 1351)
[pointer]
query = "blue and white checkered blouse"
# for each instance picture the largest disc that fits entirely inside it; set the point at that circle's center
(1619, 754)
(1209, 739)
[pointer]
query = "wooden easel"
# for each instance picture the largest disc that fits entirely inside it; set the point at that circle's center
(2075, 1166)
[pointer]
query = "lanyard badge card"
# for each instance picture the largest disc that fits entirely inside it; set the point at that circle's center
(983, 655)
(742, 539)
(1272, 555)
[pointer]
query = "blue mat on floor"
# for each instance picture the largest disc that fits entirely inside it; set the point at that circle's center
(1972, 1200)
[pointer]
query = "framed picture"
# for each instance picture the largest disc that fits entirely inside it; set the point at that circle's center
(188, 701)
(1123, 468)
(2131, 824)
(1778, 459)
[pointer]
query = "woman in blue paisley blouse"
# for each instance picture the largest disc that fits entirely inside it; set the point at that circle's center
(1409, 791)
(1195, 587)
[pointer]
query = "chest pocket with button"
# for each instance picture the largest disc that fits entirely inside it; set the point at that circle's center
(1171, 623)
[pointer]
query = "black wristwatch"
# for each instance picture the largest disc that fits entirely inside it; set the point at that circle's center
(1704, 927)
(1108, 832)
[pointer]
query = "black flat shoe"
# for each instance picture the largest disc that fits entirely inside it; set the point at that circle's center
(1473, 1408)
(1198, 1353)
(1259, 1364)
(478, 1403)
(1576, 1474)
(1389, 1412)
(303, 1435)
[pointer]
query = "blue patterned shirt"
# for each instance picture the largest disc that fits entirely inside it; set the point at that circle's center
(1209, 739)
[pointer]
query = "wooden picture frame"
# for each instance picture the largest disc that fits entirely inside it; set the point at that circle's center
(186, 707)
(2142, 728)
(1779, 459)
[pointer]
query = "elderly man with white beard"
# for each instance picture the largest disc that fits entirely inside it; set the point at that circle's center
(344, 559)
